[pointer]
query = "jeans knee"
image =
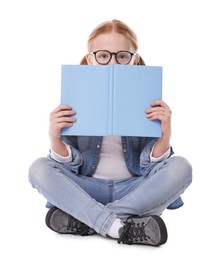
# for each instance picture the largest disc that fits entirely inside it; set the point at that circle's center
(36, 170)
(183, 167)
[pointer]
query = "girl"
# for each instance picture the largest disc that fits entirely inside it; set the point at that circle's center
(114, 186)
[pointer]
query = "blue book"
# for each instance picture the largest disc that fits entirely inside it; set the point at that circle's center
(111, 99)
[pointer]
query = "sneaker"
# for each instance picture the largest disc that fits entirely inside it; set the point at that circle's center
(149, 230)
(63, 223)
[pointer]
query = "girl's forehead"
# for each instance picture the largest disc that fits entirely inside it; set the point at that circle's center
(111, 41)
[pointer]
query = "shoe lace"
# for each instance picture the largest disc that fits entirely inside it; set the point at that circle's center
(133, 232)
(77, 226)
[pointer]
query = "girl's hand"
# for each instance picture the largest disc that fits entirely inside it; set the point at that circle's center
(59, 118)
(160, 110)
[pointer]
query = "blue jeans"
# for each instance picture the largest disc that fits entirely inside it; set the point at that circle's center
(98, 202)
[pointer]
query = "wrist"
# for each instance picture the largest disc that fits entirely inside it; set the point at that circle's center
(161, 146)
(59, 148)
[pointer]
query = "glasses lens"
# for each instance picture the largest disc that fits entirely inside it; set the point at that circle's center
(123, 57)
(102, 57)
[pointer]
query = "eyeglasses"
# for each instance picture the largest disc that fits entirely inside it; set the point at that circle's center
(103, 57)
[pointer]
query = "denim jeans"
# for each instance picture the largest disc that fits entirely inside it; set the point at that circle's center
(98, 202)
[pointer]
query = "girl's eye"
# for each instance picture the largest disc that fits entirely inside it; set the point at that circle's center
(104, 56)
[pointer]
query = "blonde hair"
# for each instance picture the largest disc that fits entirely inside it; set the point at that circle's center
(113, 26)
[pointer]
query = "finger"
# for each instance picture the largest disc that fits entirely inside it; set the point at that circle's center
(159, 103)
(154, 109)
(160, 117)
(65, 113)
(66, 119)
(61, 107)
(156, 115)
(62, 113)
(61, 125)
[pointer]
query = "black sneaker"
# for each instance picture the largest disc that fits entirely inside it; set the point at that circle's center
(149, 230)
(63, 223)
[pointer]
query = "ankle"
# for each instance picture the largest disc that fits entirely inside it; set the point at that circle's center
(114, 229)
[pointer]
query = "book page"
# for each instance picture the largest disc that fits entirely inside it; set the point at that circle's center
(85, 88)
(135, 88)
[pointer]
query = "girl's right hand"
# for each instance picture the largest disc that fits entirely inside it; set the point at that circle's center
(59, 118)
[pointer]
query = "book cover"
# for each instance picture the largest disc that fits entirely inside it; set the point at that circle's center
(111, 99)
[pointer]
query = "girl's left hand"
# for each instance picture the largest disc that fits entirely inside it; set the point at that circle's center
(160, 110)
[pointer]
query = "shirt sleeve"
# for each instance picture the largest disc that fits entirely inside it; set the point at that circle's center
(162, 157)
(62, 159)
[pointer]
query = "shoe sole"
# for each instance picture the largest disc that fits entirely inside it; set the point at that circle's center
(163, 230)
(48, 218)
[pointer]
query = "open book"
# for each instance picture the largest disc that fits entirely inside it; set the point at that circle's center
(111, 99)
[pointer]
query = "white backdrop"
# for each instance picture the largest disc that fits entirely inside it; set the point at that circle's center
(36, 38)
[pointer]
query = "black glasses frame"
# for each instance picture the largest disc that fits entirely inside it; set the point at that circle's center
(111, 54)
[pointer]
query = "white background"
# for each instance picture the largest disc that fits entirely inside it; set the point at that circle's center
(36, 37)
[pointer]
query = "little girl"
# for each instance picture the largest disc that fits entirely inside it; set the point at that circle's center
(116, 186)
